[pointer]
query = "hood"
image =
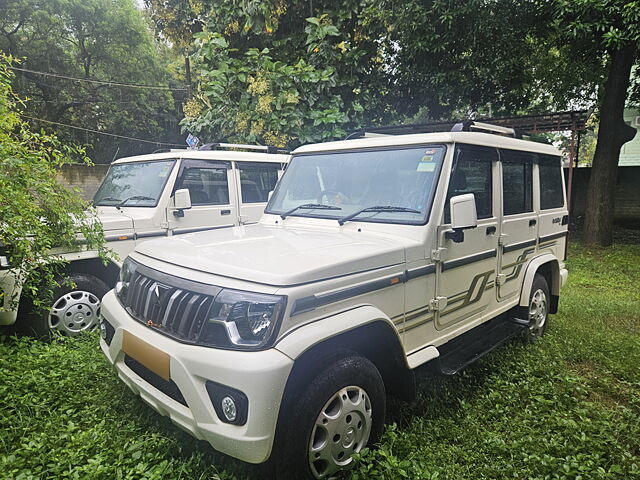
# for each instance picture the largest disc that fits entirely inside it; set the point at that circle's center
(276, 256)
(116, 221)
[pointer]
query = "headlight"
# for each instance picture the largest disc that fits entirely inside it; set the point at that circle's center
(126, 274)
(247, 319)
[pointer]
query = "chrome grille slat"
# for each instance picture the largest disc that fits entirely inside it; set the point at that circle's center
(175, 311)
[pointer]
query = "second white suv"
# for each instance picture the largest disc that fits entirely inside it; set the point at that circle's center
(146, 197)
(281, 340)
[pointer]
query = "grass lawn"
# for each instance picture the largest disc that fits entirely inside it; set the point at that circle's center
(567, 407)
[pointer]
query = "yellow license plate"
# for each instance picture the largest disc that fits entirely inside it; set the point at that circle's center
(154, 359)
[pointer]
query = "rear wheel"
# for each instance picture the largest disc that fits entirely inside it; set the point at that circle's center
(538, 310)
(338, 414)
(75, 308)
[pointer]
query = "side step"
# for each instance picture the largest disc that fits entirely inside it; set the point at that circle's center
(474, 344)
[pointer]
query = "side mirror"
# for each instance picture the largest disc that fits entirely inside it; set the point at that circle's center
(4, 263)
(182, 201)
(463, 216)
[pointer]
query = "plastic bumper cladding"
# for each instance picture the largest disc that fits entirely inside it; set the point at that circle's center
(261, 376)
(564, 274)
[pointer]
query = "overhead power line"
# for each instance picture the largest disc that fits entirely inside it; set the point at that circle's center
(101, 82)
(102, 133)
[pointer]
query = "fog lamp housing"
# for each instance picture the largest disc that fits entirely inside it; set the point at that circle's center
(231, 405)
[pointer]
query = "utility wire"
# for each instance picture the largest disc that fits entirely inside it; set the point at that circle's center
(100, 82)
(102, 133)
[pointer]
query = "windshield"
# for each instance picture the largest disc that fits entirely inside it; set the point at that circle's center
(357, 180)
(135, 184)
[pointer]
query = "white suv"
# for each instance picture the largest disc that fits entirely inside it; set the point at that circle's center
(377, 255)
(143, 197)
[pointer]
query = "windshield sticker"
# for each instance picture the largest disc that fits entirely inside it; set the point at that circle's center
(426, 167)
(165, 171)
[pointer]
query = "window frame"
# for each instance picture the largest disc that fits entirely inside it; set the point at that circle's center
(459, 150)
(278, 168)
(548, 160)
(204, 164)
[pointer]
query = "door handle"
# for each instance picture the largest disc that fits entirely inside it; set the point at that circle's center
(532, 222)
(491, 230)
(225, 212)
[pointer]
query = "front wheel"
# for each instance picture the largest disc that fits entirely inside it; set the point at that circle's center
(337, 414)
(75, 308)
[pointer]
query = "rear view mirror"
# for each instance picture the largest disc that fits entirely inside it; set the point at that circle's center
(463, 216)
(4, 263)
(182, 200)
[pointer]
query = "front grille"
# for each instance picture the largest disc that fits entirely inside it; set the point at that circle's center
(169, 388)
(176, 307)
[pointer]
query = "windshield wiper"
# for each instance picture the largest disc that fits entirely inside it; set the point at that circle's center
(108, 199)
(135, 197)
(309, 206)
(377, 209)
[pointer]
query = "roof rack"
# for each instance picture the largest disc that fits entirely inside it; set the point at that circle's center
(520, 125)
(260, 148)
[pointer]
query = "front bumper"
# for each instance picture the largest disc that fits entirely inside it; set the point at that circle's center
(261, 376)
(8, 293)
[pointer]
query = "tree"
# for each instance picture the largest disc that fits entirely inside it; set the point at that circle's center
(92, 40)
(36, 212)
(281, 72)
(612, 31)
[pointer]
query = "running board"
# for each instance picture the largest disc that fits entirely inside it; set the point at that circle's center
(476, 343)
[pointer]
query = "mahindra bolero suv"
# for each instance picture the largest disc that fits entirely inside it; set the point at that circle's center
(281, 340)
(141, 198)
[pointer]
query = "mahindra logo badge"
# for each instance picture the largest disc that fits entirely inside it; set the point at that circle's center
(158, 292)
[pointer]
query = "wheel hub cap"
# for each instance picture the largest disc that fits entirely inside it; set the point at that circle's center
(74, 312)
(342, 428)
(537, 313)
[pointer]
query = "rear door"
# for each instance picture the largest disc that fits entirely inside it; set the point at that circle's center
(465, 277)
(519, 229)
(212, 192)
(254, 181)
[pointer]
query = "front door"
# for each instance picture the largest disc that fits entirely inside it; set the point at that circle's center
(519, 221)
(212, 193)
(465, 276)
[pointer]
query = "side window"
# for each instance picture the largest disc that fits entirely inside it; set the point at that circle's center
(257, 180)
(471, 173)
(516, 188)
(551, 194)
(207, 186)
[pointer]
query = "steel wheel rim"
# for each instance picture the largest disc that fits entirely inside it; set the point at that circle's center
(342, 428)
(537, 313)
(74, 312)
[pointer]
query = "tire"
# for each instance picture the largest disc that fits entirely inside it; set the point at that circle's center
(72, 310)
(538, 310)
(340, 412)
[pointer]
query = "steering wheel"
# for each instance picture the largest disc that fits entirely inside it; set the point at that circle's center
(335, 193)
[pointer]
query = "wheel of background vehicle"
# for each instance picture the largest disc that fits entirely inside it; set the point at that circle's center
(340, 412)
(538, 310)
(73, 310)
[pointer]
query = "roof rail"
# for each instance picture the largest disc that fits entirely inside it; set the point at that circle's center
(260, 148)
(470, 125)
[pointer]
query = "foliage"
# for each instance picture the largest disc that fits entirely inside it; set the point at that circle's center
(37, 213)
(92, 40)
(565, 408)
(285, 72)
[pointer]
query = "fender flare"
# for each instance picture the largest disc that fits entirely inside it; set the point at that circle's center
(532, 268)
(296, 342)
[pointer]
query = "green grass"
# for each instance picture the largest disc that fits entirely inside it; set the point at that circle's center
(567, 407)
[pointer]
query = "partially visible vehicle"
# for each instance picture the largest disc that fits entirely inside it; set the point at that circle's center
(143, 197)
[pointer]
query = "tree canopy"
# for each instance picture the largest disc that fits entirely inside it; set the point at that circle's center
(94, 40)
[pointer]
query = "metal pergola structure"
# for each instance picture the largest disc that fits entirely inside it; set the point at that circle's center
(574, 121)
